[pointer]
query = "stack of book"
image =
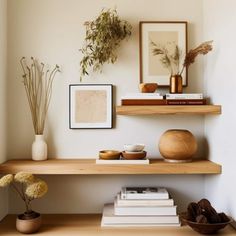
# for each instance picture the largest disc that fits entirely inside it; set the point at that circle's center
(143, 99)
(168, 99)
(145, 206)
(185, 99)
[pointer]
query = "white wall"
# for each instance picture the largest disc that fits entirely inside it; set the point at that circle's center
(220, 24)
(3, 58)
(53, 31)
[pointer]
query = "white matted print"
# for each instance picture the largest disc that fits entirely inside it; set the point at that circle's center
(90, 106)
(161, 33)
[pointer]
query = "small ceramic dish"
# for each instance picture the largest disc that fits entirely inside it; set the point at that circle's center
(204, 228)
(134, 155)
(134, 147)
(109, 155)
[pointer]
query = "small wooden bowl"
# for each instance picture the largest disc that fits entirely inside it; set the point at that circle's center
(203, 228)
(148, 87)
(133, 155)
(109, 155)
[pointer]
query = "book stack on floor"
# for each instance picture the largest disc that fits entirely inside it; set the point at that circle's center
(145, 206)
(168, 99)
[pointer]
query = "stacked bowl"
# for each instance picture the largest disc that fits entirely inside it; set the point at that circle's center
(134, 152)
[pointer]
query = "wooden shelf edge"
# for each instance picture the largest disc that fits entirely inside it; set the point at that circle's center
(89, 224)
(168, 110)
(89, 167)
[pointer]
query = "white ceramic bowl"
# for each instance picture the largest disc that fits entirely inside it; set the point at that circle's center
(134, 147)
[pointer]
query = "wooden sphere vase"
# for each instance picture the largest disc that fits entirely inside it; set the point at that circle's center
(177, 145)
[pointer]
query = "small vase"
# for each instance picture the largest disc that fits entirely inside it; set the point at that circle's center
(39, 149)
(28, 226)
(177, 145)
(176, 85)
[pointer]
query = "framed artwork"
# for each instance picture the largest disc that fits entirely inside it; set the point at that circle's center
(162, 34)
(90, 106)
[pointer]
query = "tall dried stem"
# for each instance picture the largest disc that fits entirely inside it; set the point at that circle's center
(38, 87)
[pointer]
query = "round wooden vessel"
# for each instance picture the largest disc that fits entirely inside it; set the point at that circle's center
(177, 145)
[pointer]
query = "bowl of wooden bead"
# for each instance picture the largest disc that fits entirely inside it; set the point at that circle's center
(203, 218)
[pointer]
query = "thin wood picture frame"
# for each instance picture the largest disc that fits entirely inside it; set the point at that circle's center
(160, 32)
(90, 106)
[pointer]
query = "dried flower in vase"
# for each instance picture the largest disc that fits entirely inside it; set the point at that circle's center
(28, 187)
(170, 58)
(190, 57)
(38, 87)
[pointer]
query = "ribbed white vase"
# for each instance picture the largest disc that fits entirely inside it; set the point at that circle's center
(39, 149)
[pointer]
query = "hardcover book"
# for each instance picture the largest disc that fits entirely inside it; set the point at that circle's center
(184, 96)
(186, 101)
(144, 193)
(143, 102)
(142, 96)
(145, 210)
(109, 218)
(143, 202)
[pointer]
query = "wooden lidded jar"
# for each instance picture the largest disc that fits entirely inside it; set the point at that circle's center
(177, 145)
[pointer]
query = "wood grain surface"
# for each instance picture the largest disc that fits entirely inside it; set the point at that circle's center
(88, 166)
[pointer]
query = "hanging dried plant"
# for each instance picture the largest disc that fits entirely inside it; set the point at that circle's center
(171, 61)
(38, 87)
(103, 37)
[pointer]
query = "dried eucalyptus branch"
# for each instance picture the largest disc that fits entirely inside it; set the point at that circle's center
(38, 87)
(103, 37)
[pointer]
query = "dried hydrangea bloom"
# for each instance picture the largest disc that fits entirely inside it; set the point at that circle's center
(25, 178)
(36, 190)
(6, 180)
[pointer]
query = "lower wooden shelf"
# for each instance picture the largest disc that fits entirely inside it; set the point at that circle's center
(89, 225)
(87, 167)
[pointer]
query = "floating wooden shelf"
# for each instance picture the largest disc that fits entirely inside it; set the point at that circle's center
(168, 110)
(87, 167)
(84, 225)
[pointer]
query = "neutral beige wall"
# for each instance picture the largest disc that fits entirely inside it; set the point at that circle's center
(3, 58)
(219, 24)
(53, 31)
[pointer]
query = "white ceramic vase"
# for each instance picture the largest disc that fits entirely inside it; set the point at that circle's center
(39, 148)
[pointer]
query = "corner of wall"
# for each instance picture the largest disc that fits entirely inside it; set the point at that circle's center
(219, 20)
(3, 75)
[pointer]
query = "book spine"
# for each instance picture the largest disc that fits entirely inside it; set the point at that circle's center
(144, 196)
(143, 98)
(144, 102)
(140, 225)
(145, 211)
(141, 95)
(184, 96)
(168, 202)
(141, 220)
(186, 102)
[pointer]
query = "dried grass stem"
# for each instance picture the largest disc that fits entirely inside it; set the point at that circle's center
(38, 87)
